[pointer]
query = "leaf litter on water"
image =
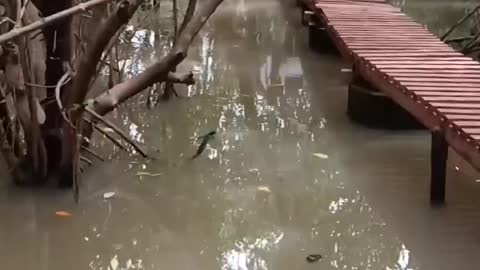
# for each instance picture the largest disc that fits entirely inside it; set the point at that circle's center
(312, 258)
(108, 195)
(63, 214)
(320, 155)
(149, 174)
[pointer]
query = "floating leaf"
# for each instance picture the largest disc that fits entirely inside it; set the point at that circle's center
(320, 155)
(312, 258)
(63, 214)
(148, 174)
(108, 195)
(262, 194)
(264, 189)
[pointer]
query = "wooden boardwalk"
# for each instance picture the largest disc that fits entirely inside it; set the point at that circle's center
(429, 79)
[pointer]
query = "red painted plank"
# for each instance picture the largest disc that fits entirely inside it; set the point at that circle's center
(396, 44)
(431, 74)
(409, 54)
(446, 94)
(402, 58)
(362, 37)
(451, 99)
(427, 79)
(451, 89)
(475, 116)
(464, 62)
(456, 105)
(452, 111)
(434, 59)
(451, 67)
(396, 47)
(458, 84)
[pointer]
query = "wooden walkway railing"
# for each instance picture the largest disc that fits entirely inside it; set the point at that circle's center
(429, 79)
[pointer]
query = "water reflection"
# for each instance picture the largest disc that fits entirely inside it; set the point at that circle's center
(257, 199)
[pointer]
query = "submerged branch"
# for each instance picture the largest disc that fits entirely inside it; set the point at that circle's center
(91, 152)
(84, 159)
(117, 130)
(108, 136)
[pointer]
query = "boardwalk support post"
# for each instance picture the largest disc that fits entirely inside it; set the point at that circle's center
(320, 41)
(439, 156)
(369, 106)
(303, 10)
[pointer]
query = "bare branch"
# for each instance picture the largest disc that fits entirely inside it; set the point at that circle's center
(108, 136)
(63, 80)
(117, 130)
(24, 8)
(175, 19)
(84, 159)
(462, 20)
(186, 78)
(158, 71)
(88, 63)
(192, 4)
(91, 152)
(82, 7)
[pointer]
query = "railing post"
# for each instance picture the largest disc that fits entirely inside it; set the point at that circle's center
(439, 157)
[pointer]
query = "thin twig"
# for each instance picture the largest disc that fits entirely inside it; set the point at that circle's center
(192, 4)
(88, 161)
(91, 152)
(459, 22)
(82, 7)
(470, 44)
(108, 136)
(459, 39)
(63, 80)
(18, 23)
(117, 130)
(106, 52)
(24, 8)
(45, 86)
(6, 19)
(175, 19)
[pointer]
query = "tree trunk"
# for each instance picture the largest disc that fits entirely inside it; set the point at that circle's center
(59, 52)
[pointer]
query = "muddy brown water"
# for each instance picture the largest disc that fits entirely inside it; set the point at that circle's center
(288, 174)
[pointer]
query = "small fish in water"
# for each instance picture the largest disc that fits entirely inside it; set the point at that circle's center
(312, 258)
(206, 138)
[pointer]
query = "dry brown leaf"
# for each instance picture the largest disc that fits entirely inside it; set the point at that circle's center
(63, 214)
